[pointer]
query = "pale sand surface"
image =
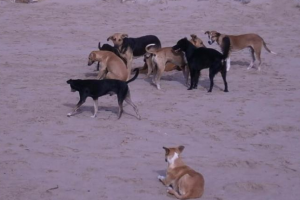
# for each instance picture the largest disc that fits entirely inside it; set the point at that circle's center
(245, 142)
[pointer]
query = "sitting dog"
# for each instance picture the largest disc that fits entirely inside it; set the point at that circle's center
(166, 59)
(181, 180)
(112, 67)
(238, 42)
(107, 47)
(133, 47)
(98, 88)
(201, 58)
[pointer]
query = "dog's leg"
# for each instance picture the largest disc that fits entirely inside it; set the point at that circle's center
(186, 73)
(223, 73)
(197, 76)
(228, 63)
(128, 100)
(192, 74)
(102, 73)
(160, 68)
(257, 54)
(76, 108)
(95, 108)
(212, 74)
(150, 64)
(252, 57)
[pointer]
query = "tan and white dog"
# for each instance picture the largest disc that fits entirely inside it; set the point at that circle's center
(112, 66)
(181, 180)
(166, 59)
(238, 42)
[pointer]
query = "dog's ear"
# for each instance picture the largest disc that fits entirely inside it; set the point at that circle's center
(69, 81)
(109, 38)
(206, 32)
(99, 46)
(92, 56)
(218, 34)
(193, 36)
(180, 148)
(124, 36)
(167, 150)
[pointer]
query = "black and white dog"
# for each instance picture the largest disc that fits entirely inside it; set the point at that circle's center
(201, 58)
(98, 88)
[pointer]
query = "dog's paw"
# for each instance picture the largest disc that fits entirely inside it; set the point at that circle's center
(170, 190)
(69, 114)
(161, 178)
(93, 116)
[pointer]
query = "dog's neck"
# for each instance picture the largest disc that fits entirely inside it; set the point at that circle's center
(189, 50)
(175, 161)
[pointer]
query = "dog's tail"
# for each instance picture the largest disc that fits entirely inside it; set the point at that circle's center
(137, 71)
(265, 45)
(151, 48)
(225, 47)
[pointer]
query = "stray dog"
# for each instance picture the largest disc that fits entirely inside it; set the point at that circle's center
(107, 47)
(201, 58)
(112, 67)
(238, 42)
(98, 88)
(133, 47)
(181, 180)
(163, 59)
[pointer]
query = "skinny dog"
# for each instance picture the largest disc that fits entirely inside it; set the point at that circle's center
(238, 42)
(201, 58)
(98, 88)
(112, 67)
(163, 57)
(181, 180)
(107, 47)
(133, 47)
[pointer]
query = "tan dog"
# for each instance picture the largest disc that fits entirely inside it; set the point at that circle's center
(239, 42)
(181, 180)
(166, 59)
(131, 48)
(112, 66)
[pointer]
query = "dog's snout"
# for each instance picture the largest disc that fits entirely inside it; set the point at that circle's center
(209, 42)
(166, 160)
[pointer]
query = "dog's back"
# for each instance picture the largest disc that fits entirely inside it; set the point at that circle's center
(138, 44)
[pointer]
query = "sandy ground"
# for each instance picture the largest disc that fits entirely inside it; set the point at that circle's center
(245, 142)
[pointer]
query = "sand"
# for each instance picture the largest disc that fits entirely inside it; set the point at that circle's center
(245, 142)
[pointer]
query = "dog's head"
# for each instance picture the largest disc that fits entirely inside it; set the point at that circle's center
(71, 83)
(212, 36)
(172, 153)
(181, 45)
(92, 58)
(117, 39)
(197, 42)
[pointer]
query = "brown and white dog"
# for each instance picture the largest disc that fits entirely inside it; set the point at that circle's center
(238, 42)
(131, 48)
(166, 59)
(112, 66)
(181, 180)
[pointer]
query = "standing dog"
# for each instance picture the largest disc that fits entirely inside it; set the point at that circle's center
(166, 59)
(133, 47)
(181, 180)
(201, 58)
(238, 42)
(107, 47)
(98, 88)
(112, 67)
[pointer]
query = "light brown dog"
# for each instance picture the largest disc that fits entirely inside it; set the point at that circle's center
(181, 180)
(112, 66)
(238, 42)
(166, 59)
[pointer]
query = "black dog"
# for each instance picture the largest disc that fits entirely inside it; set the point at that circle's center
(201, 58)
(98, 88)
(107, 47)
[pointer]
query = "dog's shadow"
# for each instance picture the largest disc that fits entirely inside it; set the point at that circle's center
(240, 63)
(91, 74)
(111, 109)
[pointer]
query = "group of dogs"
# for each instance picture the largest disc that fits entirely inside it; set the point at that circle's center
(190, 56)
